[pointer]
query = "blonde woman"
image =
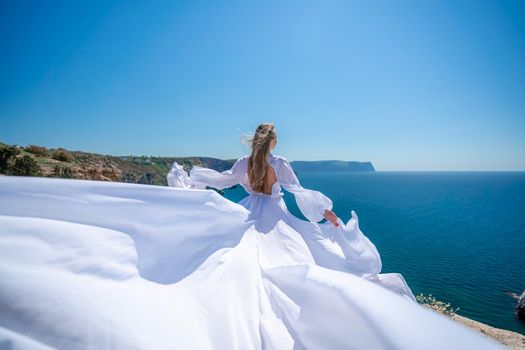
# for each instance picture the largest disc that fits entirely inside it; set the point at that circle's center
(262, 174)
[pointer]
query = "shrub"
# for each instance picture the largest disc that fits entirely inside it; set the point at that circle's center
(25, 166)
(436, 305)
(128, 177)
(63, 155)
(37, 150)
(6, 154)
(64, 172)
(147, 179)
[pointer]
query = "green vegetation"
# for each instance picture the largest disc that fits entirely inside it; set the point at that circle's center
(436, 305)
(37, 150)
(64, 172)
(25, 166)
(7, 155)
(63, 155)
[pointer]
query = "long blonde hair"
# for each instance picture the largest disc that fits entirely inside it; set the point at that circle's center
(258, 162)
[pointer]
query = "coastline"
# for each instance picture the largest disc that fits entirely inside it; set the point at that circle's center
(510, 339)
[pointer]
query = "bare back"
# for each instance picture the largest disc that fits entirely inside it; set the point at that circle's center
(269, 179)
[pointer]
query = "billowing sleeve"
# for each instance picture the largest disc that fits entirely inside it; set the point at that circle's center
(177, 176)
(311, 203)
(201, 177)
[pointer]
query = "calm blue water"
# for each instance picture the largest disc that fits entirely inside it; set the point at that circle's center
(459, 236)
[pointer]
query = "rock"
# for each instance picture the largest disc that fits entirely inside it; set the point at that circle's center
(508, 338)
(520, 307)
(100, 173)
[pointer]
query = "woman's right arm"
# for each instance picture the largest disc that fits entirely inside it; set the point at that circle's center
(313, 204)
(201, 177)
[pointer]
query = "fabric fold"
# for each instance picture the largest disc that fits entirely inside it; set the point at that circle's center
(98, 265)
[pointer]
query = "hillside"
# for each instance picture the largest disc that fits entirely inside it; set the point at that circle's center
(92, 166)
(34, 160)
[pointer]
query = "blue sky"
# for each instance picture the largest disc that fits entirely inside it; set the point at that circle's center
(408, 85)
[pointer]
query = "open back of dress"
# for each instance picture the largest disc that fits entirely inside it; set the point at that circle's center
(270, 178)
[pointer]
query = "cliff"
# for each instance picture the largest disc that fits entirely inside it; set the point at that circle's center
(61, 163)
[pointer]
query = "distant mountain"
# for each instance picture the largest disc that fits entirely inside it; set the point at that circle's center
(331, 165)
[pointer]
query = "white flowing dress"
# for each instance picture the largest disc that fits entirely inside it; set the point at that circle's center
(101, 265)
(288, 240)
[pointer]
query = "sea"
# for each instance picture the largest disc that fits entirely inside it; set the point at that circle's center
(459, 236)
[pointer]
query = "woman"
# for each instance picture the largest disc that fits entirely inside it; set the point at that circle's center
(331, 244)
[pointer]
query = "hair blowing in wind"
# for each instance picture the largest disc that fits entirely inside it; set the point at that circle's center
(258, 164)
